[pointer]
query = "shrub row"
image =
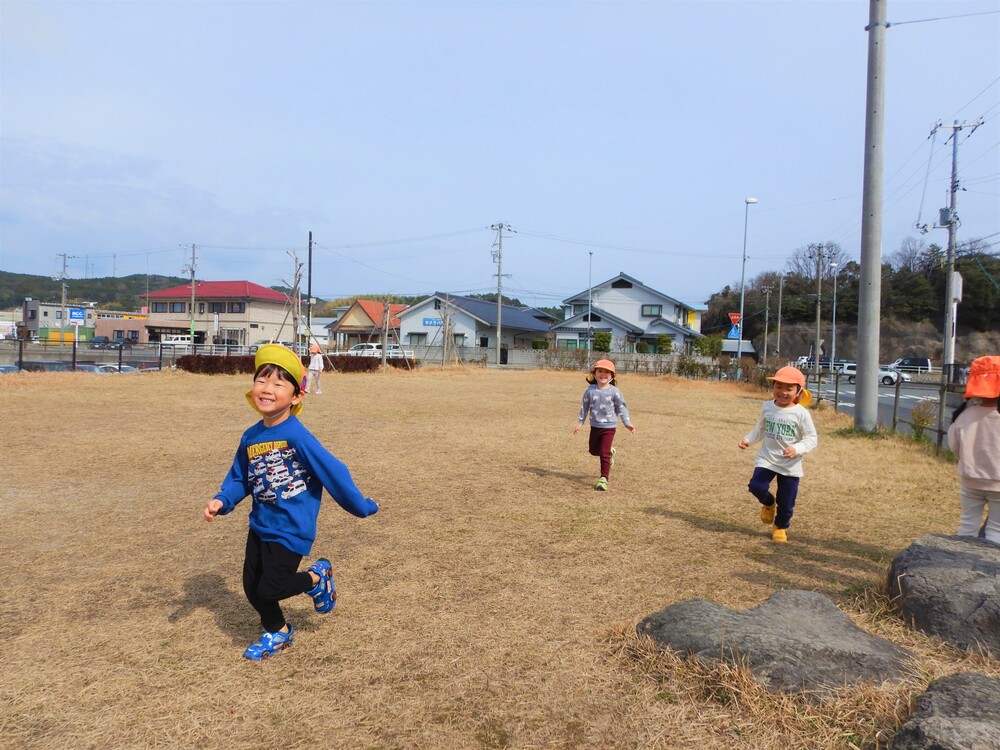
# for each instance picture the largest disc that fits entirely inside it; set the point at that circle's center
(218, 365)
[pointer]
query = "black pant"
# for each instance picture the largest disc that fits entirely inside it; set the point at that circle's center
(270, 574)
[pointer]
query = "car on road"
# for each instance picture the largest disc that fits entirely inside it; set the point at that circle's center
(120, 343)
(374, 350)
(7, 369)
(115, 369)
(100, 342)
(886, 375)
(913, 364)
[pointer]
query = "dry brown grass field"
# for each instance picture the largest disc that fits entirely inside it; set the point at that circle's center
(491, 603)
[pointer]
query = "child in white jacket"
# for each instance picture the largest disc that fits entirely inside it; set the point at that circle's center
(974, 438)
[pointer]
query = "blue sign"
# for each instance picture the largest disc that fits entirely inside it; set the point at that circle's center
(77, 316)
(734, 333)
(432, 322)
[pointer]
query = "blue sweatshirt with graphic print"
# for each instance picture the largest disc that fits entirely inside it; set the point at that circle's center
(605, 406)
(285, 469)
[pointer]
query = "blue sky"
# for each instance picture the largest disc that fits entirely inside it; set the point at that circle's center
(398, 132)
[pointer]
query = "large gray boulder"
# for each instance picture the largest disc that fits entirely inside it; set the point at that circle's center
(796, 641)
(949, 586)
(958, 712)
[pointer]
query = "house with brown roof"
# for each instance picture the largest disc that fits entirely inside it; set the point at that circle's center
(365, 320)
(222, 312)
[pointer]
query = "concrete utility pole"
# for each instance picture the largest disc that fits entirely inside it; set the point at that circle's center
(590, 303)
(870, 283)
(818, 249)
(498, 259)
(781, 290)
(953, 293)
(191, 267)
(62, 281)
(309, 291)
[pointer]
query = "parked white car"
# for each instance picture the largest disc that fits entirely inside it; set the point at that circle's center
(374, 350)
(886, 375)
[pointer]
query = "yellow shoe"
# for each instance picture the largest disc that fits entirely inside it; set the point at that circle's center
(767, 513)
(779, 535)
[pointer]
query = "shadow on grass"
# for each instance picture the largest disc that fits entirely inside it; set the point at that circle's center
(538, 471)
(832, 564)
(233, 614)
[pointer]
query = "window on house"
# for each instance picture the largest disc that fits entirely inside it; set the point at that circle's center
(652, 311)
(459, 339)
(437, 304)
(159, 307)
(58, 314)
(237, 307)
(567, 344)
(45, 313)
(176, 307)
(580, 309)
(217, 307)
(118, 334)
(418, 339)
(201, 308)
(32, 314)
(621, 284)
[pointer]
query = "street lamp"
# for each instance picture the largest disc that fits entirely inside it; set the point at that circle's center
(833, 335)
(743, 277)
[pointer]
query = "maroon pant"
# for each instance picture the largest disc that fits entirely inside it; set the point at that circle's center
(600, 445)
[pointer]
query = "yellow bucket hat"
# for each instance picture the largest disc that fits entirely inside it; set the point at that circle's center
(286, 359)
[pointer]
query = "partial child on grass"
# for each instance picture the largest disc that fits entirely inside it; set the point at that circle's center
(285, 469)
(605, 404)
(315, 370)
(974, 438)
(787, 434)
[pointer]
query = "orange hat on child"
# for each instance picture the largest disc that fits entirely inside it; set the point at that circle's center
(604, 364)
(793, 375)
(984, 378)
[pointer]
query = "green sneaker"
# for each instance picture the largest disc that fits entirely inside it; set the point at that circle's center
(613, 452)
(602, 484)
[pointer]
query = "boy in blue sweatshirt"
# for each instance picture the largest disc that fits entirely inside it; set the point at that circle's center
(285, 469)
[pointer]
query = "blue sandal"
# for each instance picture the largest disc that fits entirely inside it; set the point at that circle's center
(324, 593)
(269, 645)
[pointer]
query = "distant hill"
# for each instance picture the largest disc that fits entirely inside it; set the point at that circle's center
(113, 292)
(124, 292)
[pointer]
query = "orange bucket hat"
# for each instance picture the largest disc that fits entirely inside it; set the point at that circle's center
(793, 375)
(604, 364)
(984, 378)
(314, 349)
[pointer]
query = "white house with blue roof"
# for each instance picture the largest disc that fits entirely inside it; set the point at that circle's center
(631, 312)
(470, 322)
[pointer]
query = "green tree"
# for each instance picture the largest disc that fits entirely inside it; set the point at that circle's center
(709, 346)
(602, 341)
(664, 344)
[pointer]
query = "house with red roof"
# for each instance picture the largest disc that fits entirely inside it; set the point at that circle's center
(366, 320)
(222, 312)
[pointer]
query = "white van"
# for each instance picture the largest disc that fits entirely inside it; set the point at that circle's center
(176, 340)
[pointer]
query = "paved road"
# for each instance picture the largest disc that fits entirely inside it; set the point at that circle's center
(910, 394)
